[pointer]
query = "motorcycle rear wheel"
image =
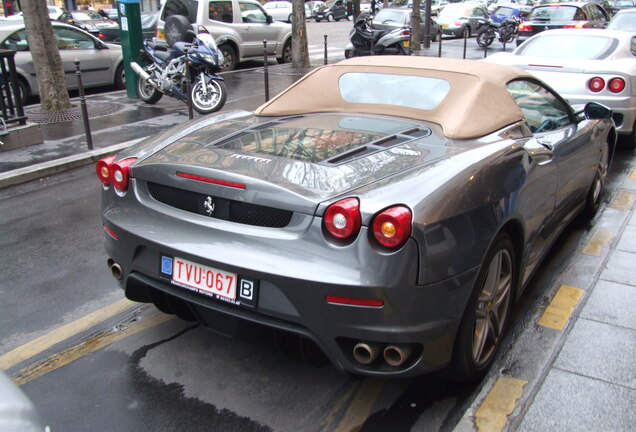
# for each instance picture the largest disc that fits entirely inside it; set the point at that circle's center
(147, 92)
(484, 38)
(208, 98)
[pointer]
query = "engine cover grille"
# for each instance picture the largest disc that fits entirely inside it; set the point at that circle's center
(220, 208)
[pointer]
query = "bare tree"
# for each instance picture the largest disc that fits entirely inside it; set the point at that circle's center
(46, 57)
(416, 34)
(300, 50)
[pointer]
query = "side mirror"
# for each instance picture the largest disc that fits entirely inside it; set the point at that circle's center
(595, 111)
(269, 19)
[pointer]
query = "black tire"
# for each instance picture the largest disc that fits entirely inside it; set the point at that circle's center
(330, 18)
(289, 18)
(147, 93)
(437, 36)
(229, 57)
(318, 20)
(23, 94)
(487, 313)
(286, 56)
(595, 194)
(206, 102)
(120, 77)
(176, 29)
(629, 141)
(484, 38)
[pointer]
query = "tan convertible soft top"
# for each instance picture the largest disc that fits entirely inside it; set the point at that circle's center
(476, 105)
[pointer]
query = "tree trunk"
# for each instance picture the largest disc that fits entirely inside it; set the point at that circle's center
(416, 33)
(300, 50)
(46, 57)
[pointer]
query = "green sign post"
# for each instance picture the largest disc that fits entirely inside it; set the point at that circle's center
(131, 40)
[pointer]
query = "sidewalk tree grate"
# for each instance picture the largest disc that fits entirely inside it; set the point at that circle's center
(95, 109)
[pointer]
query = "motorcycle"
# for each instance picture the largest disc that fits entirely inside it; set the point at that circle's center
(364, 40)
(489, 30)
(166, 72)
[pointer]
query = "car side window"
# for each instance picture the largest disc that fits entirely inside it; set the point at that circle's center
(252, 13)
(221, 11)
(71, 39)
(543, 110)
(16, 41)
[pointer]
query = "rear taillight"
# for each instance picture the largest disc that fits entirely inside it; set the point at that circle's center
(616, 85)
(392, 227)
(525, 27)
(596, 84)
(117, 173)
(406, 32)
(580, 24)
(342, 219)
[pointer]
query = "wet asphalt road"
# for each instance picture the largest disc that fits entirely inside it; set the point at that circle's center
(137, 371)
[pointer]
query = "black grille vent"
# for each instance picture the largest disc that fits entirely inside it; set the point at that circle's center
(221, 208)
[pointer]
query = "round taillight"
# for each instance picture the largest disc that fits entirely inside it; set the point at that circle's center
(103, 169)
(616, 85)
(392, 227)
(120, 173)
(596, 84)
(342, 219)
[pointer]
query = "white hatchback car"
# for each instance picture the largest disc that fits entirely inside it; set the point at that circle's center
(279, 10)
(238, 26)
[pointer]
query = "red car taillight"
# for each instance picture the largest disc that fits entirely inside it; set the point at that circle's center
(525, 27)
(343, 219)
(616, 85)
(117, 173)
(580, 24)
(596, 84)
(392, 227)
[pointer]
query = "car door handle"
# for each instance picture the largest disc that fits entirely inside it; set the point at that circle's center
(539, 153)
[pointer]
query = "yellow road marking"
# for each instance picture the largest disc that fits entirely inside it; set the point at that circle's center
(361, 406)
(561, 307)
(622, 201)
(499, 404)
(326, 423)
(45, 342)
(599, 240)
(73, 353)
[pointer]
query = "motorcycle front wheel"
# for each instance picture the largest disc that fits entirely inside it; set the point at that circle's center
(484, 38)
(147, 92)
(208, 98)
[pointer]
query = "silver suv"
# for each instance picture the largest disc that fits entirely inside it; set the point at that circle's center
(239, 26)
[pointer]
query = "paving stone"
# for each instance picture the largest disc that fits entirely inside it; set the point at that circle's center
(612, 303)
(628, 240)
(620, 268)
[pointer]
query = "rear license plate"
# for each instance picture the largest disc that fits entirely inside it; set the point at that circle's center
(161, 35)
(444, 25)
(204, 278)
(407, 44)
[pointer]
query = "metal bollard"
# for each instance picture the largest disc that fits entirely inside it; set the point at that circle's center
(80, 86)
(326, 60)
(439, 48)
(188, 80)
(465, 43)
(265, 71)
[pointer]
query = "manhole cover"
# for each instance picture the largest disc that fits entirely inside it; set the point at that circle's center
(95, 109)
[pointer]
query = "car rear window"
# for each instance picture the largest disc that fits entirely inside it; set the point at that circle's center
(389, 15)
(410, 91)
(569, 47)
(557, 13)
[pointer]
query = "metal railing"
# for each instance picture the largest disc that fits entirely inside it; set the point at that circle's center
(10, 97)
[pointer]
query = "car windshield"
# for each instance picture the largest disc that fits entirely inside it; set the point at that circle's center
(418, 92)
(569, 47)
(554, 13)
(624, 3)
(387, 15)
(454, 10)
(81, 16)
(503, 11)
(625, 22)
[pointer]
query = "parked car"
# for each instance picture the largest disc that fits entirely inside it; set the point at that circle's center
(562, 15)
(332, 10)
(391, 18)
(461, 19)
(624, 20)
(503, 12)
(102, 63)
(279, 10)
(17, 412)
(585, 65)
(149, 22)
(618, 5)
(94, 23)
(391, 228)
(311, 7)
(240, 26)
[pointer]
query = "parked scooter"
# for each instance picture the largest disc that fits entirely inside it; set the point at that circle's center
(166, 72)
(488, 31)
(367, 41)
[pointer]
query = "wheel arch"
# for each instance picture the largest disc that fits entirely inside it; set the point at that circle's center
(514, 229)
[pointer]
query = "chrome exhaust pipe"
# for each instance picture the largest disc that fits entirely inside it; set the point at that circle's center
(144, 75)
(115, 269)
(366, 352)
(396, 355)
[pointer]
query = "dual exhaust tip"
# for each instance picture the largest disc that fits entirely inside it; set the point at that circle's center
(115, 269)
(395, 355)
